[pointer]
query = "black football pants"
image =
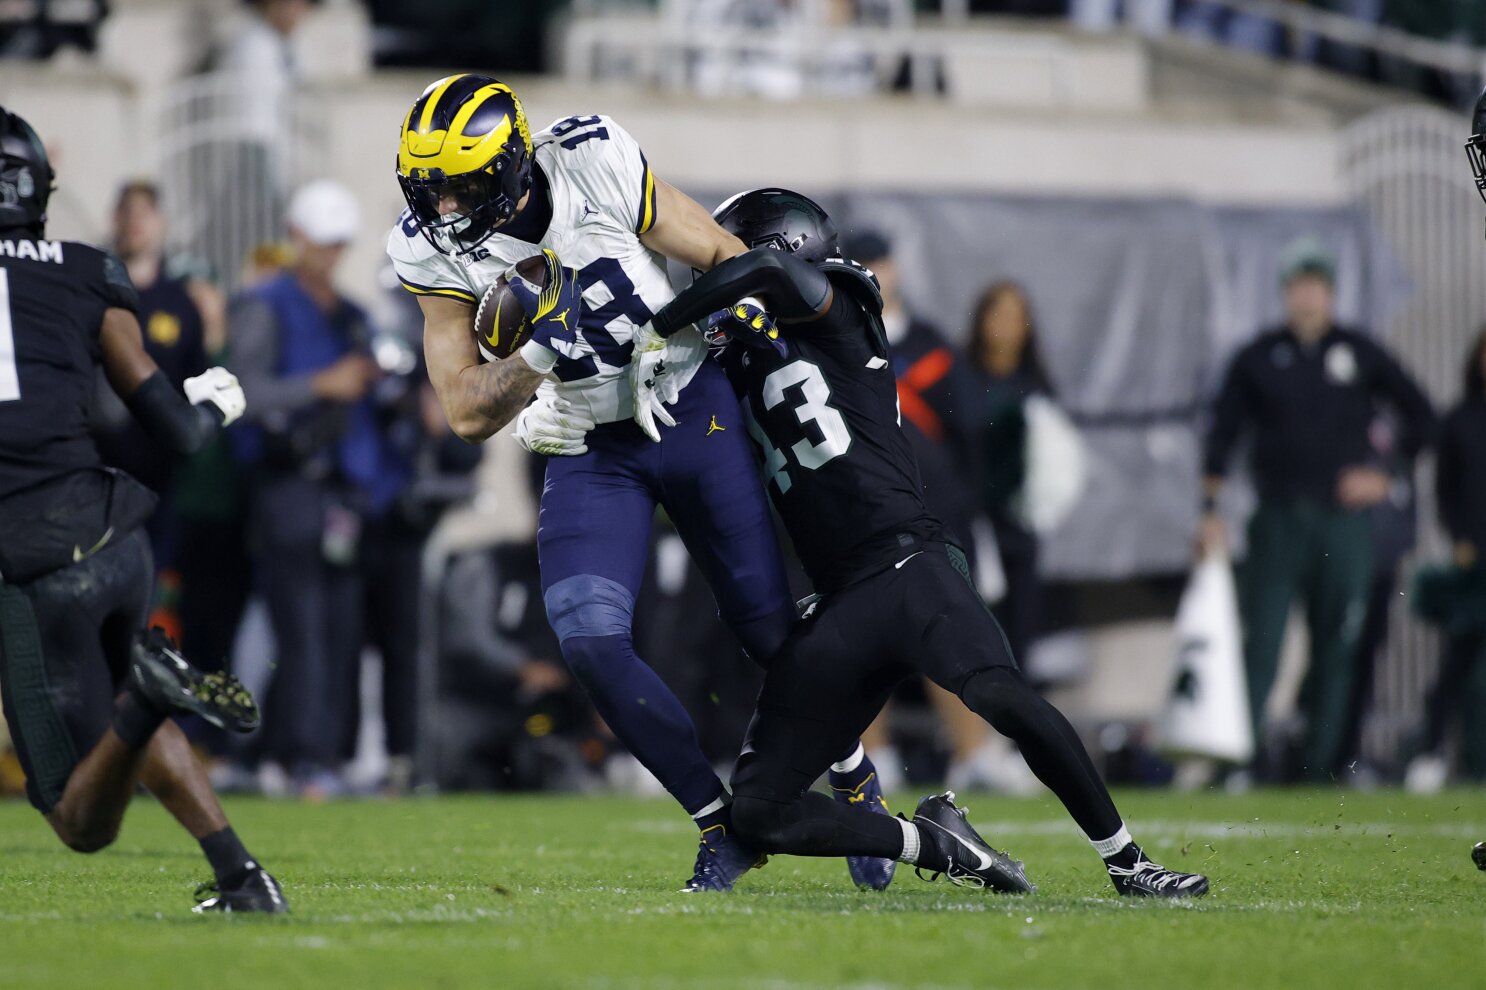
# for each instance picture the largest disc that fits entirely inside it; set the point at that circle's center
(836, 672)
(65, 642)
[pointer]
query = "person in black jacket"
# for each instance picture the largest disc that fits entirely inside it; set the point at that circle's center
(1308, 393)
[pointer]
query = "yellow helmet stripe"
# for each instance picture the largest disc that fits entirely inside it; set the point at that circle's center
(502, 131)
(439, 88)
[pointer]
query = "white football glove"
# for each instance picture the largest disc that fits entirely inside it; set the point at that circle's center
(219, 387)
(651, 381)
(554, 429)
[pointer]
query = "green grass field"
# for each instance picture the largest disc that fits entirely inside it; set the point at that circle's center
(1311, 889)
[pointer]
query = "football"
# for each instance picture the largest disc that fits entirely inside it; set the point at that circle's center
(500, 325)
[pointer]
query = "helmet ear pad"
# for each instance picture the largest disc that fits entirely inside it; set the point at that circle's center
(514, 168)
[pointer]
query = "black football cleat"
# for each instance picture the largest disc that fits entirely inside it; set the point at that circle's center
(256, 893)
(959, 853)
(867, 872)
(1147, 879)
(721, 860)
(1478, 855)
(161, 674)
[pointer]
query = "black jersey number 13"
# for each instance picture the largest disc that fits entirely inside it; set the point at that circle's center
(813, 407)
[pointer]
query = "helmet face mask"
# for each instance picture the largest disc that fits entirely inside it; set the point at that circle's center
(482, 199)
(25, 176)
(1475, 148)
(465, 139)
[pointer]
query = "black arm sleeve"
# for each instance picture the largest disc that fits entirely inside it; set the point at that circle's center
(1229, 413)
(792, 289)
(1414, 411)
(169, 418)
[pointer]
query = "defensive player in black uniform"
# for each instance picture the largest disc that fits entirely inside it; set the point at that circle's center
(895, 594)
(87, 695)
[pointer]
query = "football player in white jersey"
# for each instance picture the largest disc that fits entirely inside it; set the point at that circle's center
(484, 193)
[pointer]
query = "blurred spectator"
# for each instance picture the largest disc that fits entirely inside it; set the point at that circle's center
(1308, 392)
(239, 171)
(935, 391)
(264, 262)
(1459, 604)
(1021, 8)
(319, 467)
(261, 45)
(1145, 16)
(434, 467)
(510, 716)
(1250, 32)
(40, 28)
(763, 57)
(174, 336)
(1395, 529)
(1004, 353)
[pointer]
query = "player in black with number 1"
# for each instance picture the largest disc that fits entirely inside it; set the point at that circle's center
(89, 696)
(895, 595)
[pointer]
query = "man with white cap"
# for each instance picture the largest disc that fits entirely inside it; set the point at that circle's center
(319, 464)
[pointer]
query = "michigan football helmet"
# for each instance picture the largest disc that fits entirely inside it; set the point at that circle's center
(1476, 146)
(465, 139)
(780, 219)
(25, 176)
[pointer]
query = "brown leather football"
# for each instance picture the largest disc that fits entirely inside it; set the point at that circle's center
(501, 326)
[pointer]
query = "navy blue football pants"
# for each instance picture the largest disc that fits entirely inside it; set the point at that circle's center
(594, 540)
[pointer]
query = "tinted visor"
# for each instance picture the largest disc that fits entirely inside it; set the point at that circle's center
(476, 203)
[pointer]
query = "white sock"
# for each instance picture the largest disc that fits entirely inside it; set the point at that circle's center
(910, 851)
(717, 805)
(851, 762)
(1112, 845)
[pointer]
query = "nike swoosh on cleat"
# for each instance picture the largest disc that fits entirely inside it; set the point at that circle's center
(899, 565)
(986, 862)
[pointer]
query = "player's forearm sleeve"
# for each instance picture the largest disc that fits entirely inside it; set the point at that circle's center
(1227, 422)
(791, 288)
(170, 419)
(1413, 408)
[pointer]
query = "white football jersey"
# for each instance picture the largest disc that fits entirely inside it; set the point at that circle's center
(603, 199)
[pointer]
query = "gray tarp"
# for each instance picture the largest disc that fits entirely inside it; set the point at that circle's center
(1138, 303)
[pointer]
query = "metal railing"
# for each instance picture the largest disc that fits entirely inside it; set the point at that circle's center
(695, 45)
(1405, 166)
(228, 154)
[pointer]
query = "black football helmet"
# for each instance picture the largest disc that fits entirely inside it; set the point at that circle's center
(25, 176)
(783, 220)
(1476, 146)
